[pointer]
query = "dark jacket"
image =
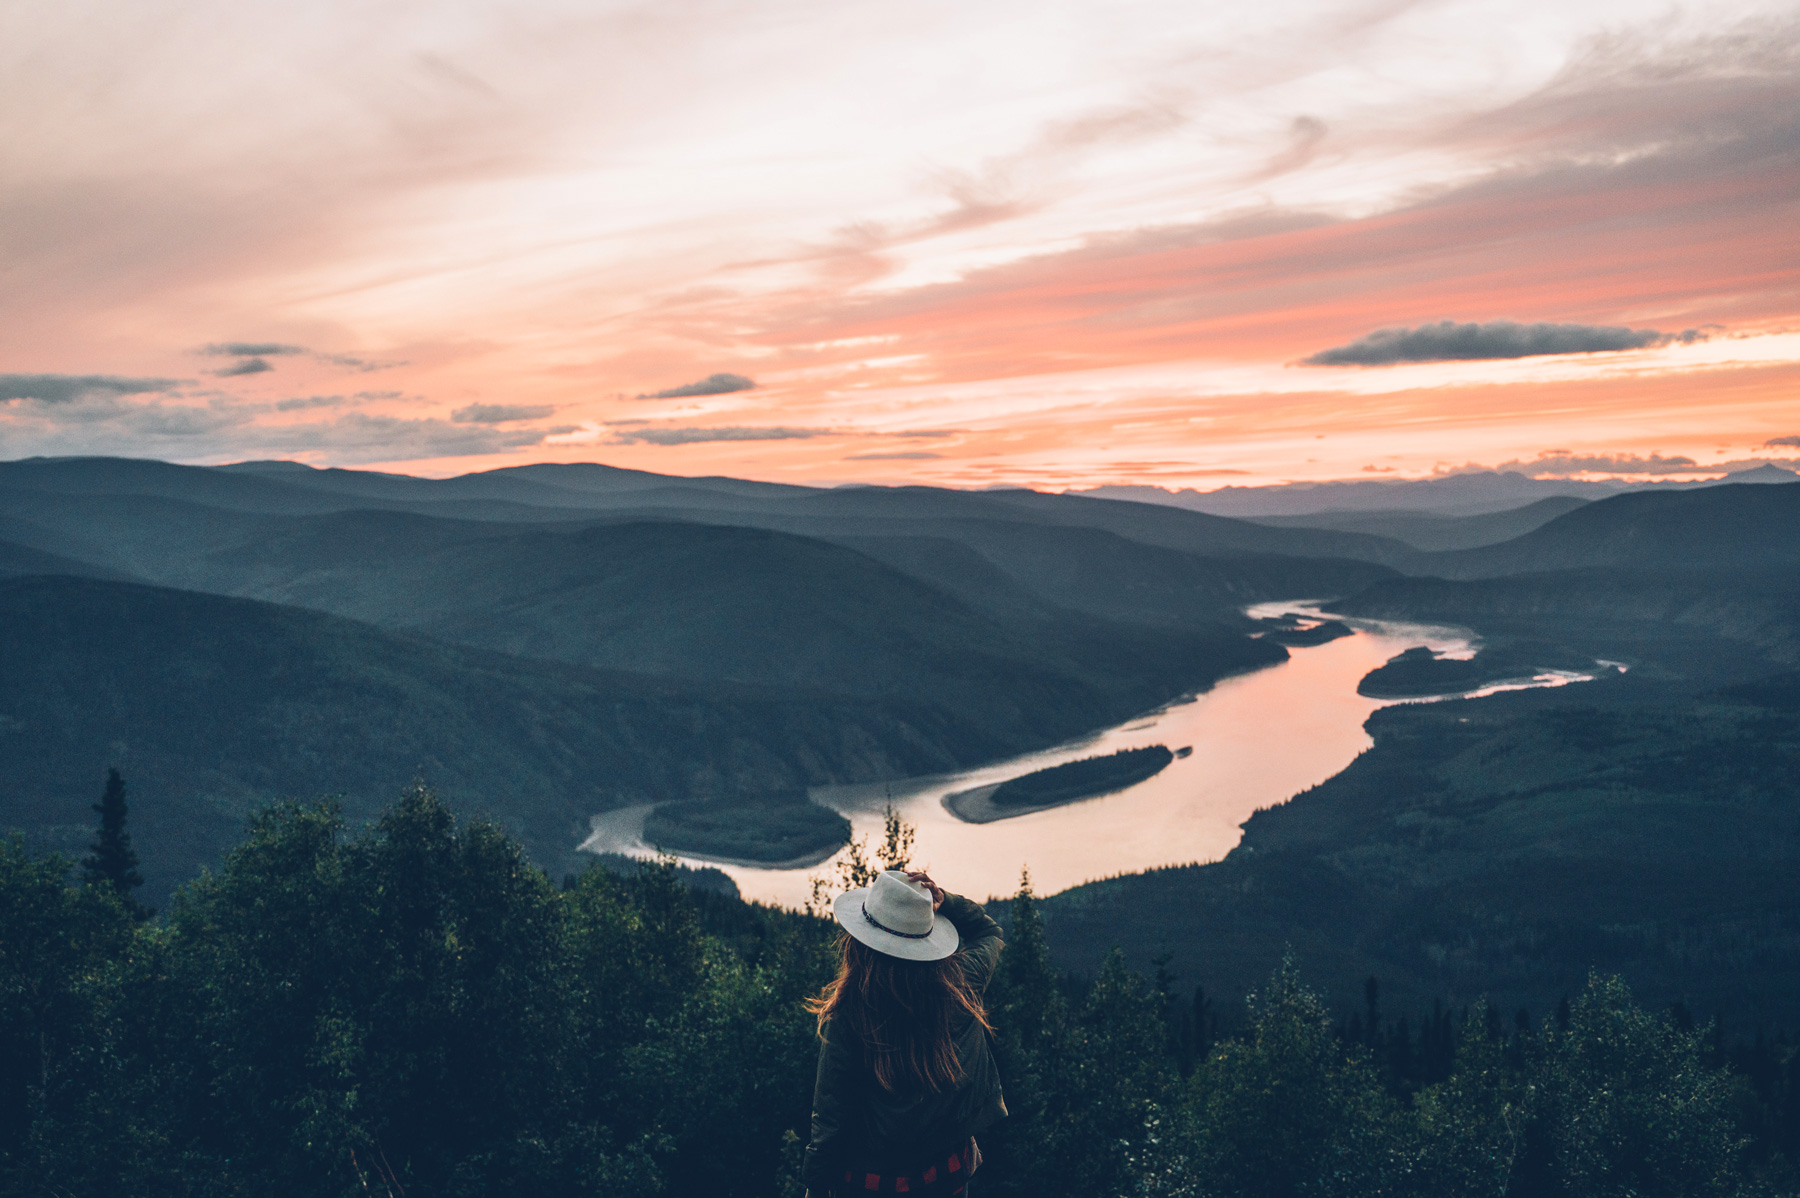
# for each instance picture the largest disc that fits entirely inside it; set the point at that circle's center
(857, 1124)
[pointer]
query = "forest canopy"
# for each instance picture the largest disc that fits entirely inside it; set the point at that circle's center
(415, 1009)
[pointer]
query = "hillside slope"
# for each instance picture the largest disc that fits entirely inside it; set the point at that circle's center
(210, 705)
(1431, 532)
(721, 603)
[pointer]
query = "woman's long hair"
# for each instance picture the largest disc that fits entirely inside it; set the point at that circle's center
(902, 1012)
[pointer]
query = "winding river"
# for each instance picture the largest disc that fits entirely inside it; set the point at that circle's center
(1257, 740)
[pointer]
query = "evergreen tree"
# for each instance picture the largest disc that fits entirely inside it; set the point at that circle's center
(416, 1010)
(111, 860)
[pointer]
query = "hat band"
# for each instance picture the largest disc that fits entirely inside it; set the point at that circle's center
(893, 931)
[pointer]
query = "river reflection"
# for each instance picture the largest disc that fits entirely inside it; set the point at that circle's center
(1257, 740)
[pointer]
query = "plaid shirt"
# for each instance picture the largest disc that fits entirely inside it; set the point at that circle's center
(940, 1179)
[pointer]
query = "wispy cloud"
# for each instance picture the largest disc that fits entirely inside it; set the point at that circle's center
(66, 388)
(1774, 441)
(1448, 341)
(250, 349)
(910, 455)
(713, 384)
(694, 436)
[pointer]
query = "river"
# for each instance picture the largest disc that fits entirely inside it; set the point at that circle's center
(1257, 739)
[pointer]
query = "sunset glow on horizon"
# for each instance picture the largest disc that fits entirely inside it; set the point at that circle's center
(1056, 245)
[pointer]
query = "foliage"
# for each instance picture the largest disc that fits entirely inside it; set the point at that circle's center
(1632, 1108)
(854, 869)
(64, 956)
(414, 1010)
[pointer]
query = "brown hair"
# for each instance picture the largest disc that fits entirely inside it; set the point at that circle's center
(902, 1012)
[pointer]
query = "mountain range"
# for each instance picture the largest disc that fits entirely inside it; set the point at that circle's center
(544, 643)
(1464, 493)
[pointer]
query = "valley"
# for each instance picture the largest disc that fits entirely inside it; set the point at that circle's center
(746, 673)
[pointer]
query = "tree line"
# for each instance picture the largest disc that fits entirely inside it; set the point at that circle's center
(413, 1010)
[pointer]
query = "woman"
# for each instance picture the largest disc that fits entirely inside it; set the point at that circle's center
(906, 1070)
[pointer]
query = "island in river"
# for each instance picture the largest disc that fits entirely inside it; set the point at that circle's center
(1301, 630)
(1421, 672)
(1070, 782)
(783, 830)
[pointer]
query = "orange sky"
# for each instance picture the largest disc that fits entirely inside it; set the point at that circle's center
(1054, 244)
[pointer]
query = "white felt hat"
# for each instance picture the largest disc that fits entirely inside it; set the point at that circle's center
(894, 916)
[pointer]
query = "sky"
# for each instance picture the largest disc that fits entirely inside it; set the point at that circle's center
(1049, 244)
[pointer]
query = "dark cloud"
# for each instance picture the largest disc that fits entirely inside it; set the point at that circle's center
(107, 419)
(693, 436)
(1772, 441)
(911, 455)
(247, 366)
(501, 413)
(251, 349)
(278, 349)
(179, 421)
(64, 388)
(1448, 341)
(360, 437)
(712, 384)
(355, 363)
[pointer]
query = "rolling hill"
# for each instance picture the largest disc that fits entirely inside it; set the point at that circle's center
(1744, 527)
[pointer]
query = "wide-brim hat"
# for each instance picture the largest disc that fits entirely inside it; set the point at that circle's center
(894, 916)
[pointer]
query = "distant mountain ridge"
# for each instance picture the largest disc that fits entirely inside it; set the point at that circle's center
(1464, 494)
(1705, 582)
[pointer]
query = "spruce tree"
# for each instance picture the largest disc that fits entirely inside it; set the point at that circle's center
(111, 860)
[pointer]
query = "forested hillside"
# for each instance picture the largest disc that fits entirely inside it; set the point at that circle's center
(216, 706)
(417, 1010)
(1504, 847)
